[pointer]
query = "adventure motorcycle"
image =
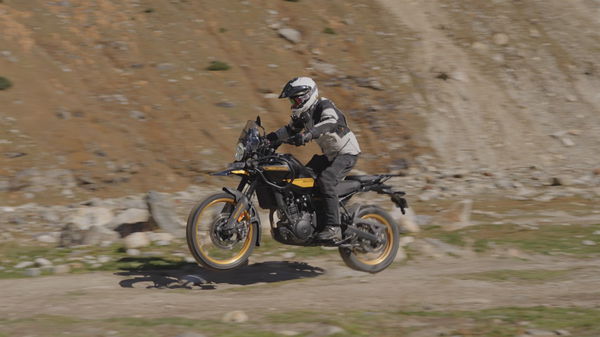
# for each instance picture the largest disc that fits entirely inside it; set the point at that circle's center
(223, 229)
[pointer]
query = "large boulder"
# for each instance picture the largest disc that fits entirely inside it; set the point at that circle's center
(163, 214)
(132, 215)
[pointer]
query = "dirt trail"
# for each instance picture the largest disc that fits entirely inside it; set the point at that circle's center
(322, 284)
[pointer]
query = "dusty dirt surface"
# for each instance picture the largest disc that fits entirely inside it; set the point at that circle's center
(269, 286)
(118, 92)
(499, 78)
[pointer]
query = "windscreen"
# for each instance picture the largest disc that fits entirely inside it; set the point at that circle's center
(250, 136)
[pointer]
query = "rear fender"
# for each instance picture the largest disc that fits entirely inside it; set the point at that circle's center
(241, 204)
(395, 195)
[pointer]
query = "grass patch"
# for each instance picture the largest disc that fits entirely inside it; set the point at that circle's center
(55, 326)
(5, 83)
(151, 258)
(496, 322)
(218, 66)
(510, 275)
(78, 258)
(548, 239)
(329, 30)
(504, 322)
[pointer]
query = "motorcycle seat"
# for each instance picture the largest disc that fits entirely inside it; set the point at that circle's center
(347, 186)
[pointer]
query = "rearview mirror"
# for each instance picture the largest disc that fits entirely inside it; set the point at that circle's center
(258, 121)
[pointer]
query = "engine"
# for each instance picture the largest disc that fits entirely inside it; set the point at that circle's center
(299, 223)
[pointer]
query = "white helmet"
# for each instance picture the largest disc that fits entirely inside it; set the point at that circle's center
(302, 93)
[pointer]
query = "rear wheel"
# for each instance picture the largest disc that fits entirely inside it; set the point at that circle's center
(212, 244)
(369, 256)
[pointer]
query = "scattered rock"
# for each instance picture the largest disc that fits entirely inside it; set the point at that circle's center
(48, 237)
(480, 47)
(288, 255)
(562, 180)
(225, 104)
(136, 240)
(568, 142)
(236, 316)
(165, 66)
(571, 98)
(369, 82)
(24, 264)
(290, 34)
(133, 252)
(539, 333)
(42, 262)
(562, 332)
(588, 243)
(327, 330)
(325, 68)
(288, 333)
(135, 114)
(103, 259)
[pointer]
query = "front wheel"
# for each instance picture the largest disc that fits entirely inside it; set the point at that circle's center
(212, 244)
(366, 255)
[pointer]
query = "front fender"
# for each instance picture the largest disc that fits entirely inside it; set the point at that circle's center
(242, 204)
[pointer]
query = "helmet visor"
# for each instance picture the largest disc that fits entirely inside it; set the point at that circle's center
(296, 101)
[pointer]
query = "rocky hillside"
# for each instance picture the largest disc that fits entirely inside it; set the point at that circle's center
(107, 98)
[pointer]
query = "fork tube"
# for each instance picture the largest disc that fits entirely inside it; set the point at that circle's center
(250, 190)
(242, 184)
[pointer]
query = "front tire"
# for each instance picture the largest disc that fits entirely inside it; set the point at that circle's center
(213, 246)
(369, 257)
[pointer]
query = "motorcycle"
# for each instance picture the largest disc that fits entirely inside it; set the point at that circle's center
(223, 230)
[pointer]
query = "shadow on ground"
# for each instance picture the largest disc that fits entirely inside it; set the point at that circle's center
(163, 274)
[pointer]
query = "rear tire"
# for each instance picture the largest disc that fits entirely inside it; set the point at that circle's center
(369, 258)
(212, 247)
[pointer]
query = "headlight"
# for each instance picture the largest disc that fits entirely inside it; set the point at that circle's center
(239, 152)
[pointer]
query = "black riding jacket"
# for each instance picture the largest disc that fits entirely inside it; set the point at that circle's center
(327, 125)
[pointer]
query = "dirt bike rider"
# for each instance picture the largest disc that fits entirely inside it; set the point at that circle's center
(319, 119)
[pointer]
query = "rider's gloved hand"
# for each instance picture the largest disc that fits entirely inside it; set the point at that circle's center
(272, 137)
(301, 138)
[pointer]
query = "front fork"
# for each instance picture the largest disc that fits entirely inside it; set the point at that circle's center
(242, 196)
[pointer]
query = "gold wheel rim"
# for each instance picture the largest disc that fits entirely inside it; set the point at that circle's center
(247, 243)
(388, 242)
